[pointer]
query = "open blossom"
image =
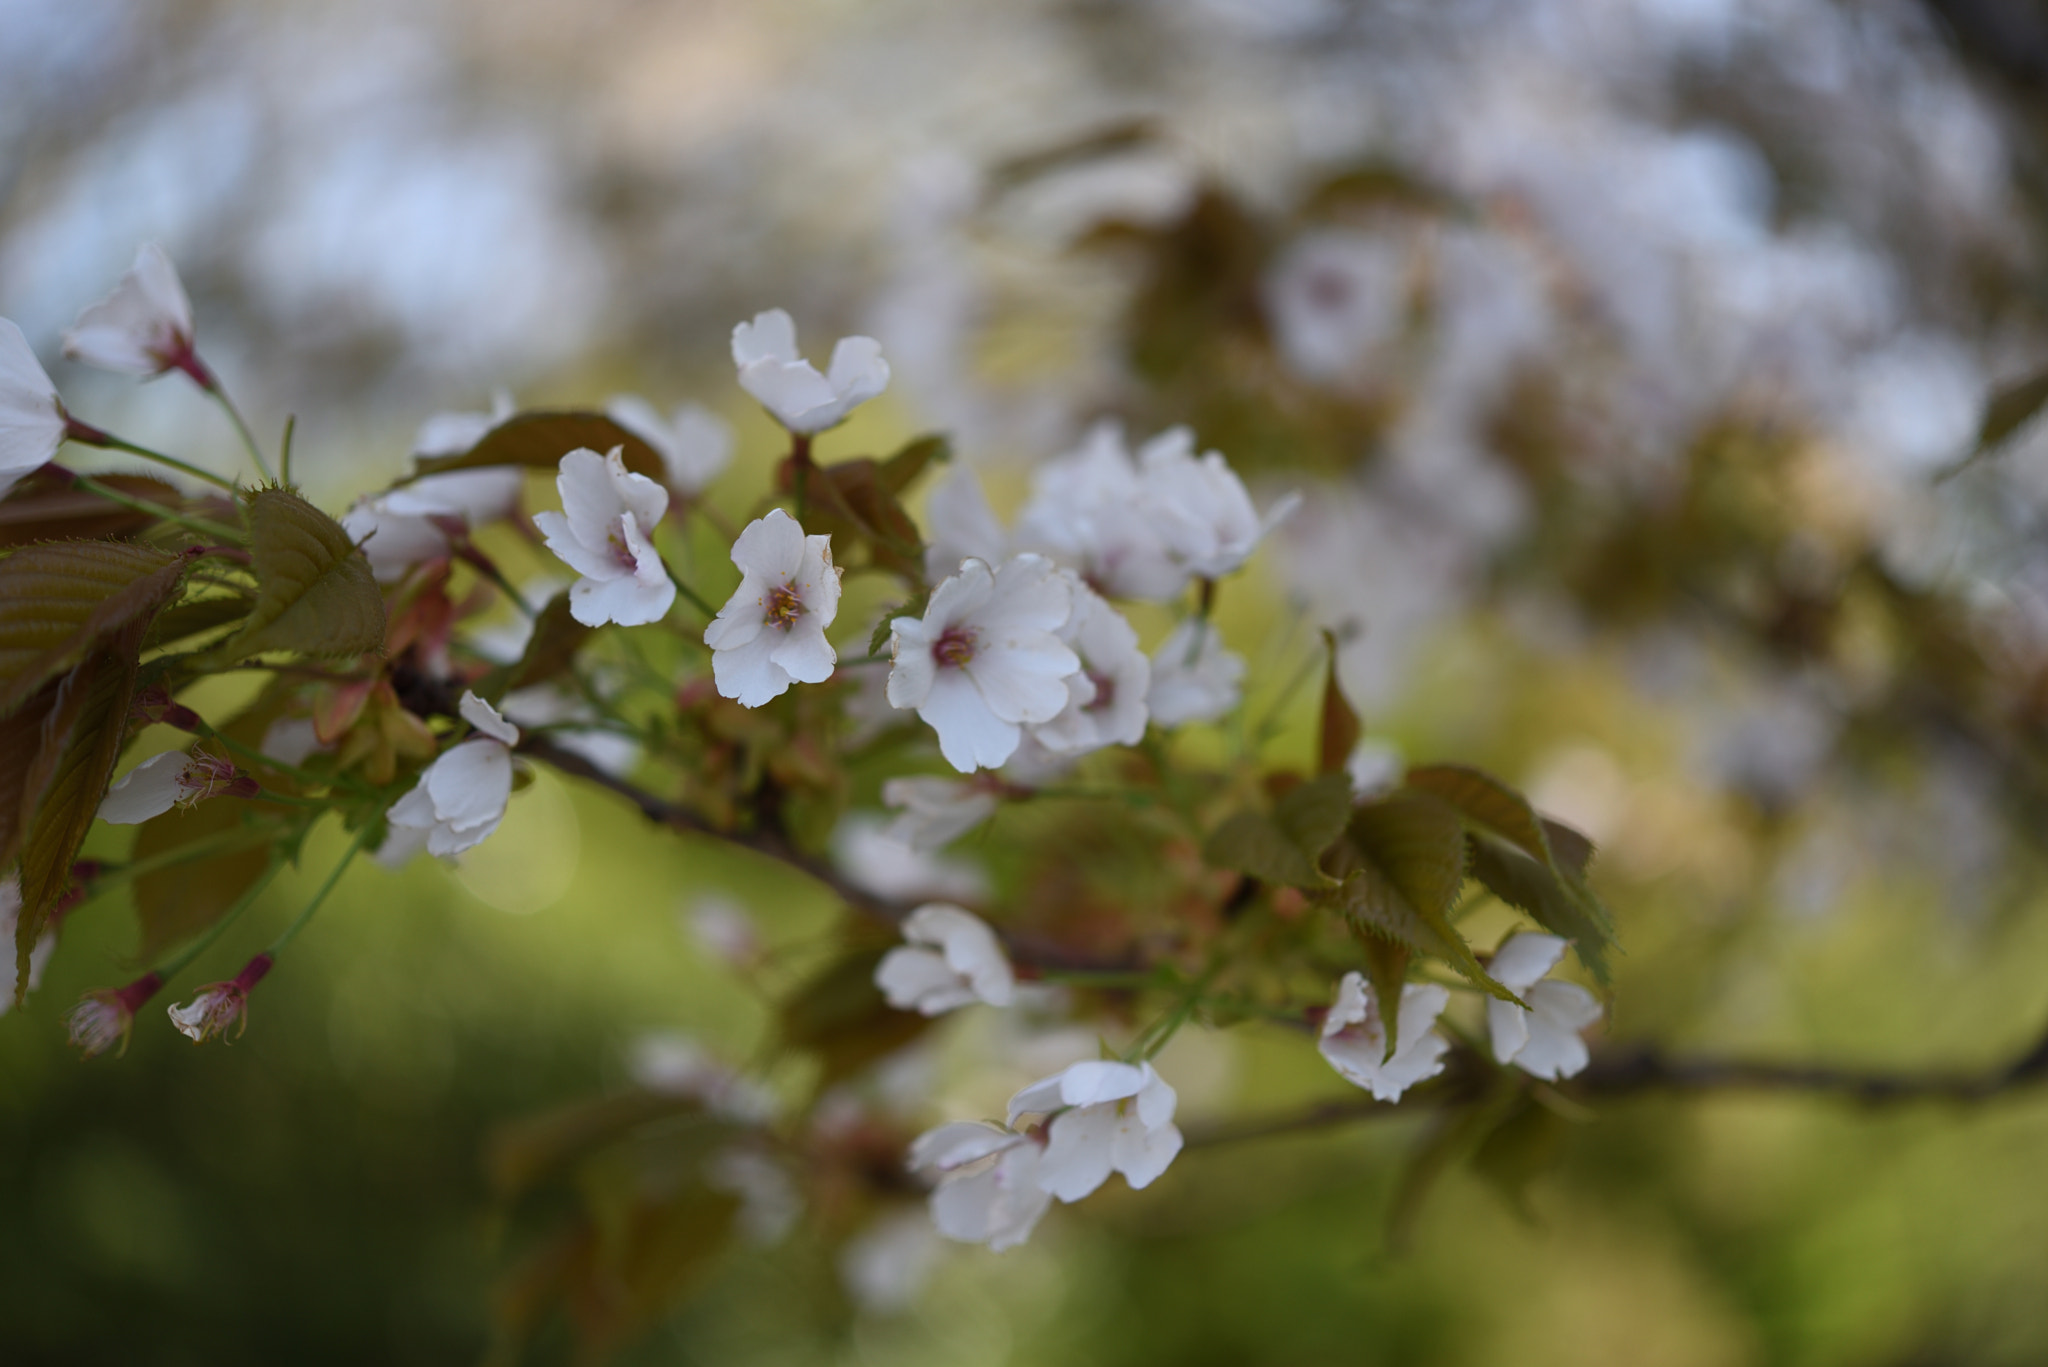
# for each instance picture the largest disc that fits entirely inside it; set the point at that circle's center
(604, 533)
(694, 444)
(1193, 677)
(952, 960)
(1355, 1037)
(32, 419)
(988, 1182)
(771, 632)
(1199, 507)
(461, 797)
(985, 660)
(932, 812)
(452, 434)
(172, 779)
(104, 1016)
(417, 522)
(1087, 511)
(963, 526)
(1542, 1041)
(1105, 1117)
(1333, 299)
(220, 1006)
(45, 946)
(863, 851)
(790, 388)
(144, 327)
(1106, 696)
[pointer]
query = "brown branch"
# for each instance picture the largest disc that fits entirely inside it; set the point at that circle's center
(772, 844)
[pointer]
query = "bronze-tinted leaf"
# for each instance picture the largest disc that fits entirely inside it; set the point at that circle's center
(195, 616)
(1286, 847)
(1415, 842)
(1340, 730)
(1556, 902)
(901, 470)
(539, 440)
(49, 508)
(551, 650)
(180, 900)
(316, 595)
(852, 503)
(1485, 801)
(60, 601)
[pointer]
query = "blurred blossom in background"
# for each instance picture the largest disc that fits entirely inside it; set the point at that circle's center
(1476, 273)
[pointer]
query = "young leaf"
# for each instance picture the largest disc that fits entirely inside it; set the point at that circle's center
(1386, 968)
(60, 601)
(316, 594)
(49, 508)
(1340, 728)
(1287, 846)
(551, 650)
(529, 1151)
(540, 440)
(1486, 802)
(901, 470)
(1552, 899)
(180, 900)
(852, 503)
(1416, 842)
(195, 616)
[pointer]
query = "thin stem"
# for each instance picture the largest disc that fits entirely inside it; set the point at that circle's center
(220, 396)
(688, 592)
(114, 443)
(178, 962)
(348, 857)
(800, 469)
(204, 526)
(291, 426)
(113, 875)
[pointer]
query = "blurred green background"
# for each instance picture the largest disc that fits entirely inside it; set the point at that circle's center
(1682, 239)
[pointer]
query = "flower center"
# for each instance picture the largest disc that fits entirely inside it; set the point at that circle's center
(1105, 691)
(1328, 290)
(954, 647)
(783, 606)
(621, 546)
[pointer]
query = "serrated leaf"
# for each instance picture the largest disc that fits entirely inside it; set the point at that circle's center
(1287, 846)
(901, 470)
(60, 601)
(92, 715)
(1486, 802)
(1573, 851)
(1386, 968)
(911, 607)
(1528, 886)
(49, 508)
(1372, 904)
(1416, 843)
(195, 616)
(315, 595)
(1340, 730)
(539, 440)
(551, 650)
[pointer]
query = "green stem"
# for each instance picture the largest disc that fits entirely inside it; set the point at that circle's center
(291, 425)
(355, 847)
(115, 443)
(688, 592)
(220, 396)
(205, 526)
(178, 962)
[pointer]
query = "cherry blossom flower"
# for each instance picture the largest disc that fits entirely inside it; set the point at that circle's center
(864, 853)
(769, 1200)
(32, 419)
(932, 812)
(885, 1265)
(723, 930)
(677, 1065)
(1355, 1037)
(1334, 297)
(771, 632)
(1199, 507)
(453, 434)
(694, 444)
(963, 526)
(1193, 677)
(988, 1182)
(1105, 1117)
(144, 327)
(461, 797)
(604, 533)
(1106, 696)
(220, 1006)
(952, 960)
(985, 660)
(1542, 1041)
(172, 779)
(790, 388)
(38, 957)
(104, 1017)
(418, 522)
(1087, 511)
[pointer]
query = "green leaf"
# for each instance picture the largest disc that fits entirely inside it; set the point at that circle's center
(316, 595)
(1413, 845)
(901, 470)
(1551, 898)
(196, 616)
(1340, 729)
(1486, 802)
(853, 504)
(1287, 846)
(48, 508)
(60, 601)
(1386, 968)
(540, 439)
(912, 607)
(1573, 852)
(551, 650)
(91, 714)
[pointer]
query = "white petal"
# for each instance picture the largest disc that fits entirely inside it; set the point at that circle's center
(1079, 1157)
(804, 653)
(771, 547)
(957, 1144)
(912, 670)
(471, 783)
(31, 423)
(1098, 1080)
(858, 372)
(971, 736)
(628, 601)
(961, 525)
(1142, 1154)
(1523, 958)
(771, 335)
(1508, 1026)
(140, 325)
(922, 981)
(485, 719)
(1040, 1098)
(1156, 1100)
(747, 673)
(149, 789)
